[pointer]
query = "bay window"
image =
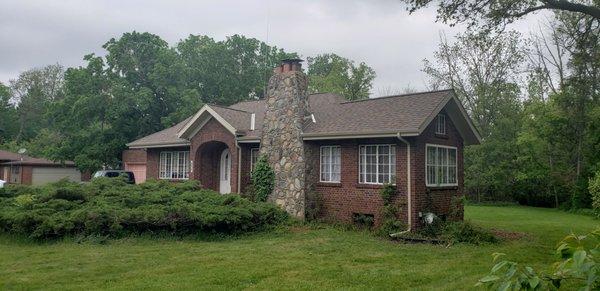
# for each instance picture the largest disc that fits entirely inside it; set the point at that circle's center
(441, 166)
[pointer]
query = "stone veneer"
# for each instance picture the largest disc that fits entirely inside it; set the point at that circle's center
(281, 141)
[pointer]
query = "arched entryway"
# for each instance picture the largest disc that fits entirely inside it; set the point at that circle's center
(214, 170)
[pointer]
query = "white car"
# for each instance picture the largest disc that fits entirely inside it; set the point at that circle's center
(2, 183)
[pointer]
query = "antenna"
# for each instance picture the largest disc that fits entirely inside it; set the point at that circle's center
(267, 68)
(21, 151)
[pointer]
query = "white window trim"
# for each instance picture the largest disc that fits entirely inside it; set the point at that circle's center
(448, 156)
(377, 168)
(331, 165)
(252, 150)
(173, 164)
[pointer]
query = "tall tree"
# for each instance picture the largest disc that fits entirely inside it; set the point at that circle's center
(8, 119)
(483, 70)
(33, 92)
(332, 73)
(497, 13)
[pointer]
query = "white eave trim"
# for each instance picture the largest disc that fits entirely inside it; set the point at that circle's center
(163, 145)
(352, 136)
(205, 109)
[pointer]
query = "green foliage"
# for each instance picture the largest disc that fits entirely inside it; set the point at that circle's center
(466, 232)
(110, 207)
(314, 205)
(594, 189)
(390, 223)
(335, 74)
(263, 179)
(578, 265)
(497, 14)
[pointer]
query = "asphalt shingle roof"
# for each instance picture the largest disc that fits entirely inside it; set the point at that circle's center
(333, 115)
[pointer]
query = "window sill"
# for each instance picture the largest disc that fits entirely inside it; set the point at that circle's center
(369, 186)
(439, 135)
(329, 184)
(448, 187)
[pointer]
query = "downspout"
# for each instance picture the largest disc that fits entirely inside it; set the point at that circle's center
(239, 167)
(408, 187)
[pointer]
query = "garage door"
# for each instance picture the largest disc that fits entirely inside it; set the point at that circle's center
(44, 175)
(139, 171)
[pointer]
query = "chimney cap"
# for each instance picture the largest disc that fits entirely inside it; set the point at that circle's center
(292, 60)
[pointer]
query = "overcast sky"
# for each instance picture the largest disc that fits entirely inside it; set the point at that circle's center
(380, 33)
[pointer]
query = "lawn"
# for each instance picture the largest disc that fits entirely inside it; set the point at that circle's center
(301, 258)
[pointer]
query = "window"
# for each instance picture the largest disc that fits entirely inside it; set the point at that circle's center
(331, 161)
(440, 125)
(253, 158)
(377, 164)
(174, 165)
(441, 166)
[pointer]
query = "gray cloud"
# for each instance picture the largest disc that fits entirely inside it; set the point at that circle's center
(380, 33)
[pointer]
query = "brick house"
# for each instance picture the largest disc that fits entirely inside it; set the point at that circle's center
(21, 169)
(320, 143)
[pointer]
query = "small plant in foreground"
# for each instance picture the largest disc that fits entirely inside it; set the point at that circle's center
(579, 266)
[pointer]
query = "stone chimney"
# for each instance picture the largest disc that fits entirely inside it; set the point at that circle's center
(281, 141)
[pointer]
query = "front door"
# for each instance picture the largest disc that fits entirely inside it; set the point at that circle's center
(225, 172)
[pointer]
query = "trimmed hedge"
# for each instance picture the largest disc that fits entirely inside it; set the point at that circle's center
(110, 207)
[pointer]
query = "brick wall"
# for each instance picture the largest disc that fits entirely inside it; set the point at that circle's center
(342, 200)
(441, 197)
(206, 144)
(134, 156)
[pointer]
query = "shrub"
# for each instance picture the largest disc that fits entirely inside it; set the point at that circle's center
(314, 205)
(465, 232)
(108, 207)
(390, 211)
(263, 179)
(594, 188)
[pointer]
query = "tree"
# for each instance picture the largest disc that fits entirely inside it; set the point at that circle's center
(332, 73)
(229, 71)
(497, 13)
(32, 92)
(483, 70)
(8, 118)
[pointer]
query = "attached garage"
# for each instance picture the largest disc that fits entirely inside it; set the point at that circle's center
(45, 175)
(139, 171)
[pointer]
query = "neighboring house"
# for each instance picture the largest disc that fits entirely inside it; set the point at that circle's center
(320, 143)
(21, 169)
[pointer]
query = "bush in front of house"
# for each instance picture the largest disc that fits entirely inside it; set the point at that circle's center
(113, 208)
(263, 179)
(594, 187)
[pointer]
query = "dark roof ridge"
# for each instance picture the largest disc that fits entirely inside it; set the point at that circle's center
(400, 95)
(225, 107)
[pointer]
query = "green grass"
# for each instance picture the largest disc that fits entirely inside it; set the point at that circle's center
(302, 258)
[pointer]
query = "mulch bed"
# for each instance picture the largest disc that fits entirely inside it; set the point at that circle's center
(508, 235)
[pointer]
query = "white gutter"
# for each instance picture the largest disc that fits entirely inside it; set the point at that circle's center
(239, 167)
(408, 186)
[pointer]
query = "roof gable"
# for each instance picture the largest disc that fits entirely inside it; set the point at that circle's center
(334, 118)
(227, 117)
